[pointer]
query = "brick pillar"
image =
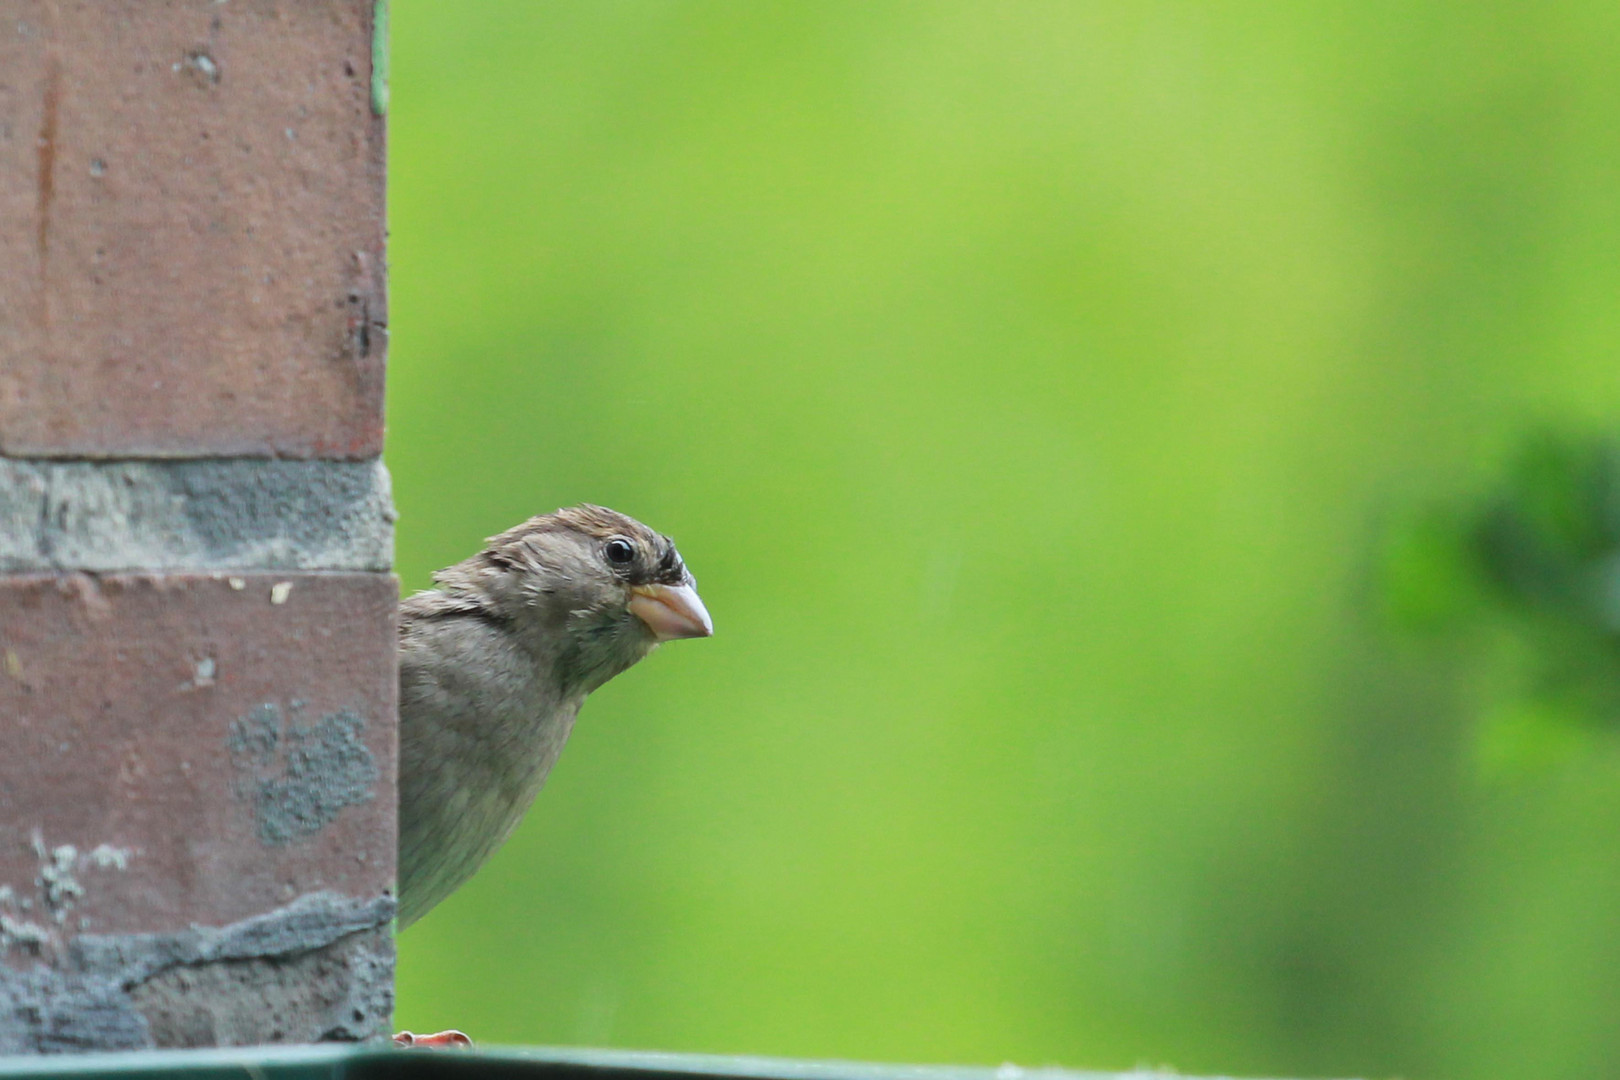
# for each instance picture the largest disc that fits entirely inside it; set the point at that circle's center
(197, 681)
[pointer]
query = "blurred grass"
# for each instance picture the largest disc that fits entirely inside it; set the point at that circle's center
(1025, 386)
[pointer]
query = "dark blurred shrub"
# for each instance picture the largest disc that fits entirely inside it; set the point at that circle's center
(1528, 575)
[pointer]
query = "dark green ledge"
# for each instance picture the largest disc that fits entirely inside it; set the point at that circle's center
(360, 1063)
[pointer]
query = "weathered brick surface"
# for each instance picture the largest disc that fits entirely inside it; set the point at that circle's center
(197, 748)
(190, 749)
(191, 229)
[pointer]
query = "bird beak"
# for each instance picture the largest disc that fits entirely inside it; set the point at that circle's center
(671, 611)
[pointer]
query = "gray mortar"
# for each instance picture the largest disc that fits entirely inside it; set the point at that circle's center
(320, 968)
(224, 514)
(299, 776)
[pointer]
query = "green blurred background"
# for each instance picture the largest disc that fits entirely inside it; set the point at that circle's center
(1079, 417)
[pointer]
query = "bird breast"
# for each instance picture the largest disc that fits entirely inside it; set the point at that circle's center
(475, 750)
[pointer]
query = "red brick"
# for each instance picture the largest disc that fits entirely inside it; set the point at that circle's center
(191, 229)
(184, 721)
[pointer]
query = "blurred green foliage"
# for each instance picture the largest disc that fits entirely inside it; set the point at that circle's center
(1029, 388)
(1535, 563)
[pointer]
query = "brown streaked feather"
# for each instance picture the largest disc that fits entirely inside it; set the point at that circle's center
(432, 603)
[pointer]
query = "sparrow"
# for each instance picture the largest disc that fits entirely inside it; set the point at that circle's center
(494, 664)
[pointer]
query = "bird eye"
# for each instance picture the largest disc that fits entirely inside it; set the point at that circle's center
(619, 552)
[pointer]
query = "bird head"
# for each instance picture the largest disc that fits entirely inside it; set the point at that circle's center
(592, 589)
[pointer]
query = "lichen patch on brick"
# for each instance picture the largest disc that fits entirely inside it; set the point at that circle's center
(299, 776)
(34, 916)
(17, 933)
(57, 880)
(108, 857)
